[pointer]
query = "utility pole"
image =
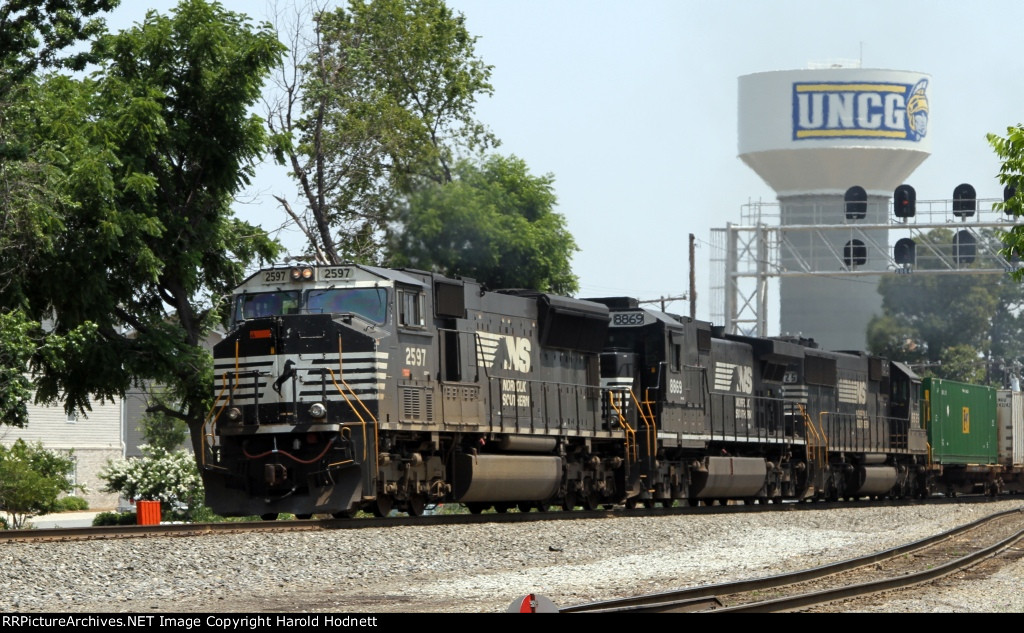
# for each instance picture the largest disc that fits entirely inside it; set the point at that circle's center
(693, 283)
(663, 300)
(692, 296)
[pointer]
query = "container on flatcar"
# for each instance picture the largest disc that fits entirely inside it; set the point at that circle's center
(1010, 414)
(961, 422)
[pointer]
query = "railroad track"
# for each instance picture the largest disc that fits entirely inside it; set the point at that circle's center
(227, 527)
(900, 567)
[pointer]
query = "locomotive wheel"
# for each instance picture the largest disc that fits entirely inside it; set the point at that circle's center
(475, 508)
(631, 503)
(416, 505)
(501, 508)
(569, 502)
(543, 506)
(270, 516)
(343, 514)
(303, 516)
(382, 506)
(524, 506)
(590, 501)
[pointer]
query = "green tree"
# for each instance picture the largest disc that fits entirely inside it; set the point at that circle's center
(148, 154)
(161, 430)
(1011, 175)
(31, 480)
(495, 222)
(33, 36)
(385, 93)
(950, 326)
(34, 33)
(16, 348)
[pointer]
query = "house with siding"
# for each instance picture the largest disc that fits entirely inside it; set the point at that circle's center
(91, 439)
(112, 430)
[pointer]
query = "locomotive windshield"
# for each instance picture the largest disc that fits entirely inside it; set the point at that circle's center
(262, 304)
(369, 303)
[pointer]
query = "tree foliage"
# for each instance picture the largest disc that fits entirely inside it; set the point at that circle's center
(495, 222)
(160, 429)
(383, 94)
(1011, 175)
(31, 480)
(33, 34)
(962, 327)
(145, 157)
(23, 340)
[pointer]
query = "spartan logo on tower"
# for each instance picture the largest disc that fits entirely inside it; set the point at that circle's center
(917, 111)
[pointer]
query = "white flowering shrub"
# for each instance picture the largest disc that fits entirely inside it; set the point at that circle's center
(159, 475)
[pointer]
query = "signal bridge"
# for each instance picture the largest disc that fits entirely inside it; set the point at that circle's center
(745, 256)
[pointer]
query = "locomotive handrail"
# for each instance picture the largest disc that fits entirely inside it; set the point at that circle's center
(495, 382)
(814, 439)
(211, 419)
(647, 418)
(209, 438)
(625, 425)
(825, 439)
(376, 441)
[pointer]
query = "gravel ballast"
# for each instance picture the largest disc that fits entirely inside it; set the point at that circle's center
(478, 568)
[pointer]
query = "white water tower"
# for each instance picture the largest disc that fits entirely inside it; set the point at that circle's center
(812, 135)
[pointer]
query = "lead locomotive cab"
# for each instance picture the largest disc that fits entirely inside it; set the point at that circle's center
(298, 384)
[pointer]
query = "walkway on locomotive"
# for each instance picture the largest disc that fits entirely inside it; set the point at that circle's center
(754, 390)
(690, 386)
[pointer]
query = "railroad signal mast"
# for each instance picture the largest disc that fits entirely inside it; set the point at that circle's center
(758, 249)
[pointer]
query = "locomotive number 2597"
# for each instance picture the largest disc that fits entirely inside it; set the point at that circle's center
(327, 274)
(415, 356)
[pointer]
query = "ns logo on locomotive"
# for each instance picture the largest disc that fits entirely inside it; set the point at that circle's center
(347, 388)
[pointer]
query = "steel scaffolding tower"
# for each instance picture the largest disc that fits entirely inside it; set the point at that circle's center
(745, 256)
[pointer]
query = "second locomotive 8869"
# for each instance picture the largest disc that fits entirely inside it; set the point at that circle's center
(345, 388)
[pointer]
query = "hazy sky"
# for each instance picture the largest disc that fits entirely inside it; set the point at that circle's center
(632, 108)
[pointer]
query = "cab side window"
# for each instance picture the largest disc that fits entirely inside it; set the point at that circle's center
(410, 308)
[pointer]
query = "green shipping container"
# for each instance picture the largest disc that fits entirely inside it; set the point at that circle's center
(961, 421)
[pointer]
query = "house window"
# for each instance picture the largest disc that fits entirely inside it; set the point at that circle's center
(73, 418)
(72, 475)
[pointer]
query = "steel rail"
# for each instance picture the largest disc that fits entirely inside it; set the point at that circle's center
(619, 512)
(706, 597)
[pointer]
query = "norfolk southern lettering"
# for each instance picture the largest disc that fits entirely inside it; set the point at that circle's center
(860, 110)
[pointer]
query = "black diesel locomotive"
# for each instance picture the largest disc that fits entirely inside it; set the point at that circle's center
(346, 388)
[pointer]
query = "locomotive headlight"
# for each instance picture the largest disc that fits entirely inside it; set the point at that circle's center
(302, 273)
(234, 414)
(317, 410)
